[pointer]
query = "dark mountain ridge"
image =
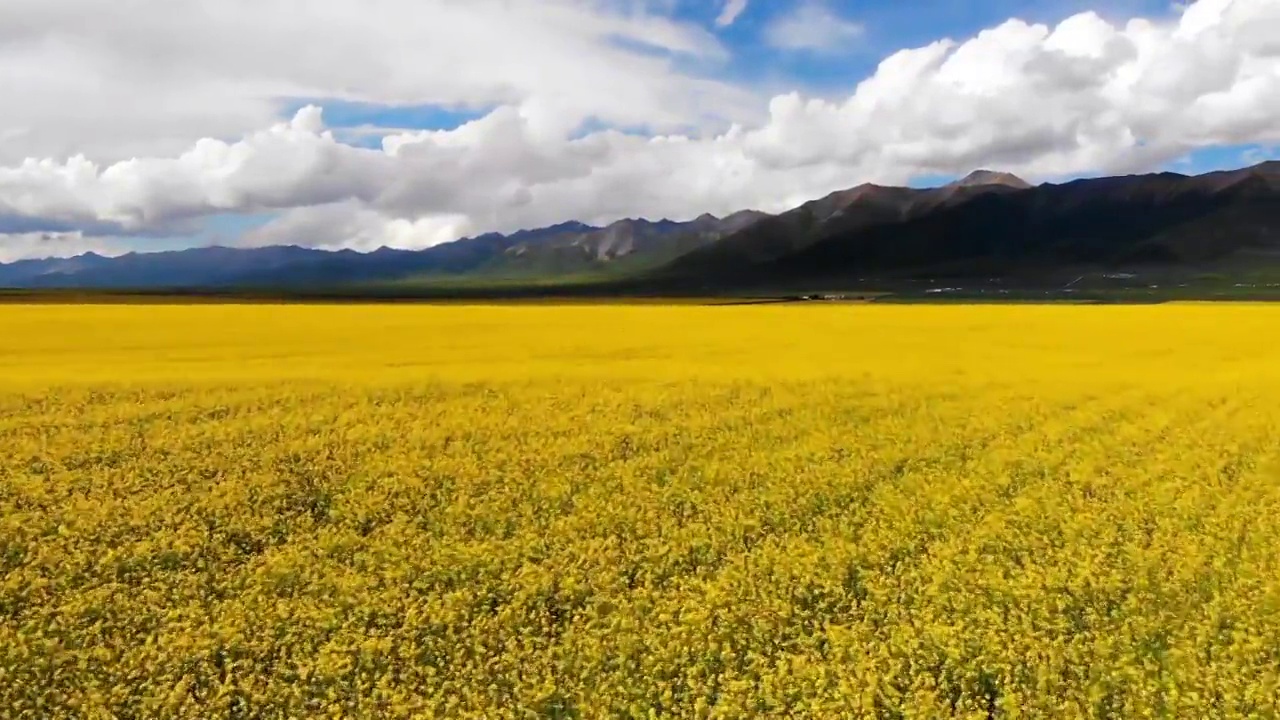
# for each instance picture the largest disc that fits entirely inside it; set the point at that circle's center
(564, 249)
(843, 212)
(994, 224)
(988, 224)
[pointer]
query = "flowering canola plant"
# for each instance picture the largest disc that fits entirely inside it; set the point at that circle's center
(284, 511)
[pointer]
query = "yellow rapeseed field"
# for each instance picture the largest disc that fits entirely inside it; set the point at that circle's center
(259, 511)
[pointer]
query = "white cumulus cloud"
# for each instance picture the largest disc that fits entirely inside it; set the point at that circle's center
(151, 76)
(1084, 96)
(812, 25)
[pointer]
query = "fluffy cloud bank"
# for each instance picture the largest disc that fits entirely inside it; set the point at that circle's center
(145, 78)
(1084, 96)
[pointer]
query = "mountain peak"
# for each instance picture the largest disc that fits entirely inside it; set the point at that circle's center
(1269, 167)
(569, 226)
(978, 178)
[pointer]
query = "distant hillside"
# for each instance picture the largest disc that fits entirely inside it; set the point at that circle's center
(986, 225)
(843, 212)
(995, 224)
(560, 250)
(626, 245)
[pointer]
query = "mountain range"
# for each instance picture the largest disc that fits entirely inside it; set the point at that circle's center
(987, 224)
(566, 250)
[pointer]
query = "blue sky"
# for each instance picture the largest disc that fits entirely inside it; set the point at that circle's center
(249, 131)
(886, 27)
